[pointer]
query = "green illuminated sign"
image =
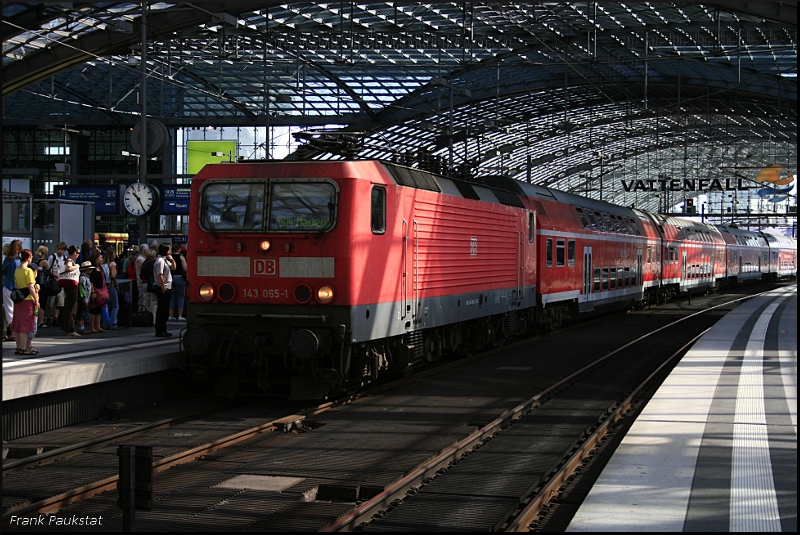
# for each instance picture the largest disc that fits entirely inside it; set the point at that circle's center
(200, 153)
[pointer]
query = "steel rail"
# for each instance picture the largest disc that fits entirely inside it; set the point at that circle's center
(54, 503)
(570, 465)
(417, 477)
(44, 457)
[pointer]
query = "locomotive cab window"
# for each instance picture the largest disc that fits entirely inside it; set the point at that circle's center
(378, 209)
(302, 206)
(232, 206)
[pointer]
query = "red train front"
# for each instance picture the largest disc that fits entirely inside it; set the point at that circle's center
(321, 274)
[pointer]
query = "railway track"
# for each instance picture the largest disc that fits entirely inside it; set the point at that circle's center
(384, 504)
(535, 500)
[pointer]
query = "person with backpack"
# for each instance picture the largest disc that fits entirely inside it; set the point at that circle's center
(48, 289)
(150, 299)
(55, 304)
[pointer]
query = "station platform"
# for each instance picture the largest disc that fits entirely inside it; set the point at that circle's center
(716, 448)
(70, 362)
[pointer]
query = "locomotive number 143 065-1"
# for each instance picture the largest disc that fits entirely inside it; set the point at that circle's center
(265, 293)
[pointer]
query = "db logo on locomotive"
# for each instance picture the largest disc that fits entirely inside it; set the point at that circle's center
(265, 267)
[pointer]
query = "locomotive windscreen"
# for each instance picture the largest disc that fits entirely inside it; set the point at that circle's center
(292, 206)
(233, 206)
(301, 206)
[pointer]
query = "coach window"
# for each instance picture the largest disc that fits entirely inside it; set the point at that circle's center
(600, 221)
(559, 253)
(571, 253)
(609, 223)
(612, 281)
(619, 278)
(591, 219)
(649, 254)
(583, 217)
(605, 278)
(378, 209)
(618, 224)
(627, 277)
(596, 279)
(549, 252)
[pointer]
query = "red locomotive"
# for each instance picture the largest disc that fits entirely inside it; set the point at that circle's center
(321, 275)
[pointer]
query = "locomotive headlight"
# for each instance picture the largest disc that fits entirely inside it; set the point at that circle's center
(206, 292)
(324, 294)
(265, 245)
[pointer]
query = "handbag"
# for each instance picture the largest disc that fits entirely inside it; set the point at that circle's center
(20, 295)
(100, 297)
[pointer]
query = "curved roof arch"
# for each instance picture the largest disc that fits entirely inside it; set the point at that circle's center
(554, 92)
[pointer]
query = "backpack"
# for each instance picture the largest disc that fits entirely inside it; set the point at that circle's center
(147, 275)
(48, 284)
(56, 263)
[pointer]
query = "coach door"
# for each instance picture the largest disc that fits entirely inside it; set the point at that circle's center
(639, 273)
(683, 266)
(587, 278)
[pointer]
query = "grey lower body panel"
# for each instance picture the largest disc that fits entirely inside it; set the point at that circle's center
(383, 320)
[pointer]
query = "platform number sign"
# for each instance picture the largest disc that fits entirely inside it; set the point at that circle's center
(473, 246)
(265, 267)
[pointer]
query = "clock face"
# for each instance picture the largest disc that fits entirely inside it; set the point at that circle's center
(139, 199)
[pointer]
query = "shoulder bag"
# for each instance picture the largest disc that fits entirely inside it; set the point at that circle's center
(100, 297)
(19, 295)
(68, 279)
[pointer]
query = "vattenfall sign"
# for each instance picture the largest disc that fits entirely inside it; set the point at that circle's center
(767, 183)
(702, 184)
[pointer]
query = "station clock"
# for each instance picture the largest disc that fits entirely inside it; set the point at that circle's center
(140, 198)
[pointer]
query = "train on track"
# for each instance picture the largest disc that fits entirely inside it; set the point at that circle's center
(322, 275)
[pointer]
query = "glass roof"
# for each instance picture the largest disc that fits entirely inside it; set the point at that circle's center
(559, 93)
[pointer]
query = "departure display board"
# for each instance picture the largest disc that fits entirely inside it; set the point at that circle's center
(175, 199)
(107, 199)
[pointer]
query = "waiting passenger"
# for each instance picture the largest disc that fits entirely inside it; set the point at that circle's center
(24, 321)
(11, 262)
(55, 304)
(176, 298)
(148, 282)
(163, 287)
(68, 280)
(141, 287)
(99, 296)
(84, 295)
